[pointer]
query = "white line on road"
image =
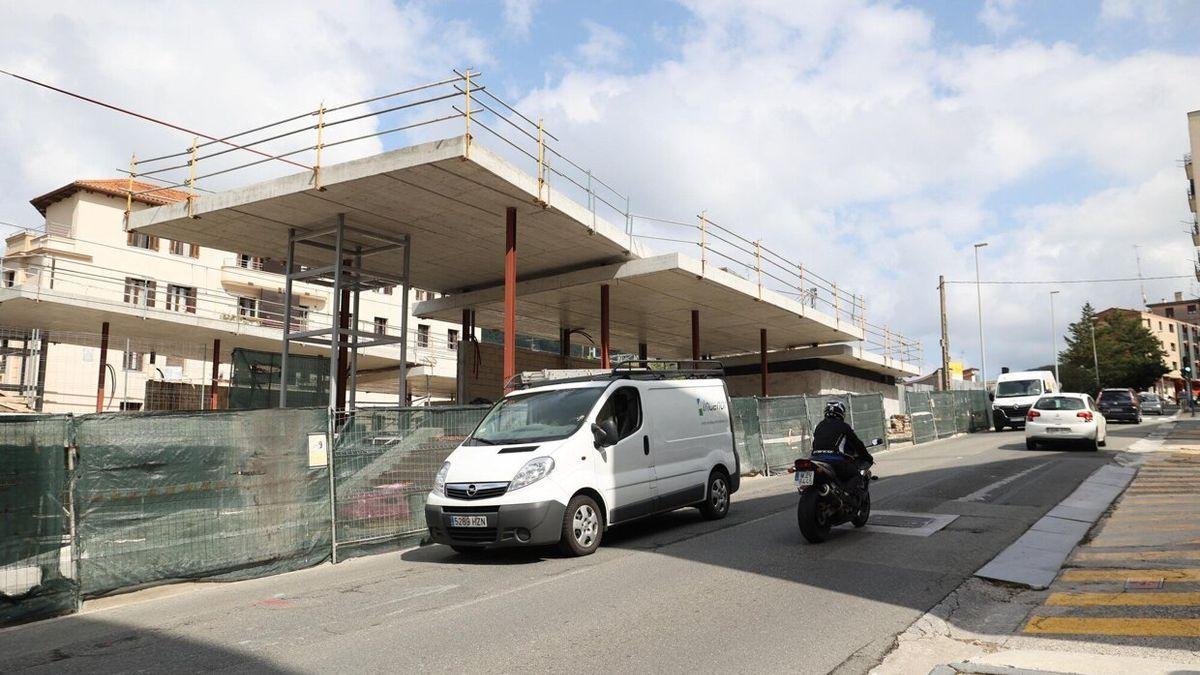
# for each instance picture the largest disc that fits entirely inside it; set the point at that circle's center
(982, 493)
(413, 593)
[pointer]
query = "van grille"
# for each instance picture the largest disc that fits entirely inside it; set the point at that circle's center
(475, 490)
(472, 534)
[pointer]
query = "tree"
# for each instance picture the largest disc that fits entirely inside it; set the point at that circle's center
(1128, 353)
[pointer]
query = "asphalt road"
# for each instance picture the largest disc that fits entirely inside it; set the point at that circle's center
(671, 594)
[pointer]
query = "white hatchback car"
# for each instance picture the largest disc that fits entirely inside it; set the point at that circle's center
(1065, 417)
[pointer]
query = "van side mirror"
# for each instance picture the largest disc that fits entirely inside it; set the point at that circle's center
(605, 433)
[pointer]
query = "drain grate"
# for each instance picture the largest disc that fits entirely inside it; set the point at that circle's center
(912, 522)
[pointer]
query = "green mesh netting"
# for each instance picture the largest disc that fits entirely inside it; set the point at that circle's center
(746, 435)
(936, 415)
(175, 495)
(254, 380)
(385, 460)
(37, 577)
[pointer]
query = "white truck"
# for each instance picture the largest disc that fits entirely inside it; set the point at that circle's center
(561, 460)
(1016, 392)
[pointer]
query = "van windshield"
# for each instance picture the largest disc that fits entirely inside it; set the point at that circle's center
(536, 417)
(1018, 388)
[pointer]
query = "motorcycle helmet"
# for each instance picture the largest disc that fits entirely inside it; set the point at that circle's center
(835, 409)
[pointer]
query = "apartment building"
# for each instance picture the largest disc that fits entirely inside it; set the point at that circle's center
(1180, 338)
(169, 306)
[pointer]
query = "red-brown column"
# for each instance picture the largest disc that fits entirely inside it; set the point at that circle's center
(216, 374)
(510, 293)
(604, 358)
(762, 349)
(695, 335)
(103, 367)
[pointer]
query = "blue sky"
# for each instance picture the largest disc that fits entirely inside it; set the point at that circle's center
(874, 142)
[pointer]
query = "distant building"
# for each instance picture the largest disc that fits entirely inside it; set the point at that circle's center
(1177, 337)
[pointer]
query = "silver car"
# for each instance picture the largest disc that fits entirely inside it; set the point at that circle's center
(1152, 404)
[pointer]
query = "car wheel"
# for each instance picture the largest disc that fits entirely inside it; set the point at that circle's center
(1030, 444)
(997, 426)
(582, 527)
(716, 503)
(1092, 445)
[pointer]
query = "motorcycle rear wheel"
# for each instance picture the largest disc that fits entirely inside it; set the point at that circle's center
(814, 521)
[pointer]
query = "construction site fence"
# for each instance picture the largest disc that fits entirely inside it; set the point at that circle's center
(942, 414)
(106, 502)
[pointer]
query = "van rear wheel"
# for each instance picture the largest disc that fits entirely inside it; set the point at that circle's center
(716, 496)
(582, 526)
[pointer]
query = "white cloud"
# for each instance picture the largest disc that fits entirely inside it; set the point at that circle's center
(215, 66)
(603, 46)
(999, 16)
(841, 134)
(518, 17)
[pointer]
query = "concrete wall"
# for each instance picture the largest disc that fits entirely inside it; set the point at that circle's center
(488, 382)
(816, 382)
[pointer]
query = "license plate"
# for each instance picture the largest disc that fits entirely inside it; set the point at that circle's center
(468, 521)
(1057, 430)
(804, 478)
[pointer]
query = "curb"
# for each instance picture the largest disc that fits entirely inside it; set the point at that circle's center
(1035, 559)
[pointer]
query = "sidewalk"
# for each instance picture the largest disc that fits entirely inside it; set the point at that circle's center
(1127, 600)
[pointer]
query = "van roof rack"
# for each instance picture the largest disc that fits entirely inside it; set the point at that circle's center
(628, 369)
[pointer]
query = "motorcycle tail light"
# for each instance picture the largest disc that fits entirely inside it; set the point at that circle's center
(804, 465)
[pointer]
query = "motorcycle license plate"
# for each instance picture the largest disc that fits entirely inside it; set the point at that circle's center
(804, 478)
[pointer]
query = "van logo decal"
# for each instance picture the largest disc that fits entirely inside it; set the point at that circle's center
(702, 406)
(471, 490)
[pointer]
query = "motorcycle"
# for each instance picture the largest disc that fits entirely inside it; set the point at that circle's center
(827, 500)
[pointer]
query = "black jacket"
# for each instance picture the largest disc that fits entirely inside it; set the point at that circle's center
(834, 434)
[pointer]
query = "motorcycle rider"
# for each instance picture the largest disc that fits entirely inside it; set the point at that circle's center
(832, 434)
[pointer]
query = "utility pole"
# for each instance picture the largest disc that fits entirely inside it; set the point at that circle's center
(1053, 338)
(945, 379)
(1095, 359)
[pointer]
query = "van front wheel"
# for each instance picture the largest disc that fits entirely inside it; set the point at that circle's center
(582, 527)
(716, 497)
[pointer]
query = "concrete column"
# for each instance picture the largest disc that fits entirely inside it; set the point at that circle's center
(287, 318)
(642, 351)
(695, 335)
(216, 374)
(510, 293)
(103, 367)
(464, 333)
(39, 400)
(343, 322)
(605, 362)
(762, 352)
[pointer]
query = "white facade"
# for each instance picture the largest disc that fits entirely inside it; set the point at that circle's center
(81, 267)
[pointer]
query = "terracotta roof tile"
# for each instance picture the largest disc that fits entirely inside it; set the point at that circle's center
(146, 193)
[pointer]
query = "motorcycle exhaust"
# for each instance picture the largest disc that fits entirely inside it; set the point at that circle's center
(824, 491)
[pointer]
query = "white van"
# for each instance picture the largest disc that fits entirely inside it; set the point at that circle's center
(1016, 392)
(560, 462)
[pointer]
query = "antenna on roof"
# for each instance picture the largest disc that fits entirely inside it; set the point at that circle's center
(1142, 286)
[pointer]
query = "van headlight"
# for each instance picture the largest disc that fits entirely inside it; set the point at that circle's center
(533, 471)
(439, 481)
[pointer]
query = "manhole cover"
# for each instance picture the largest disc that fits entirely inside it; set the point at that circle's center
(913, 522)
(1143, 584)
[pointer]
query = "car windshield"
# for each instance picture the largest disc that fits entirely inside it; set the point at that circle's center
(1152, 398)
(1018, 388)
(536, 417)
(1059, 403)
(1117, 396)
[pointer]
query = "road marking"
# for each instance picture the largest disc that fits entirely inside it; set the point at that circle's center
(1135, 599)
(1184, 574)
(1143, 527)
(980, 494)
(1159, 499)
(1065, 625)
(412, 593)
(1138, 556)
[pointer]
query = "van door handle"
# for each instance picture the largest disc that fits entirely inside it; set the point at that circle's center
(646, 444)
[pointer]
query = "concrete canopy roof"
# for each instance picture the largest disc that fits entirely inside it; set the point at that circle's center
(651, 301)
(849, 355)
(452, 205)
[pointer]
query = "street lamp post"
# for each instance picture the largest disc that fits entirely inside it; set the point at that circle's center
(1053, 339)
(979, 302)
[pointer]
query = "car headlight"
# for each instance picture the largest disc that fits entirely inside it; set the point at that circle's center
(439, 481)
(533, 471)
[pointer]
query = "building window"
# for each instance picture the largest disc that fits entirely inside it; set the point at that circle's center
(299, 317)
(248, 307)
(10, 278)
(184, 248)
(380, 325)
(1170, 312)
(387, 290)
(181, 299)
(133, 360)
(452, 339)
(1160, 326)
(422, 335)
(1172, 346)
(140, 240)
(420, 295)
(139, 291)
(131, 406)
(249, 262)
(1191, 309)
(1147, 323)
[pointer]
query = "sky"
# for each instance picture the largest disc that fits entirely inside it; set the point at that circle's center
(874, 142)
